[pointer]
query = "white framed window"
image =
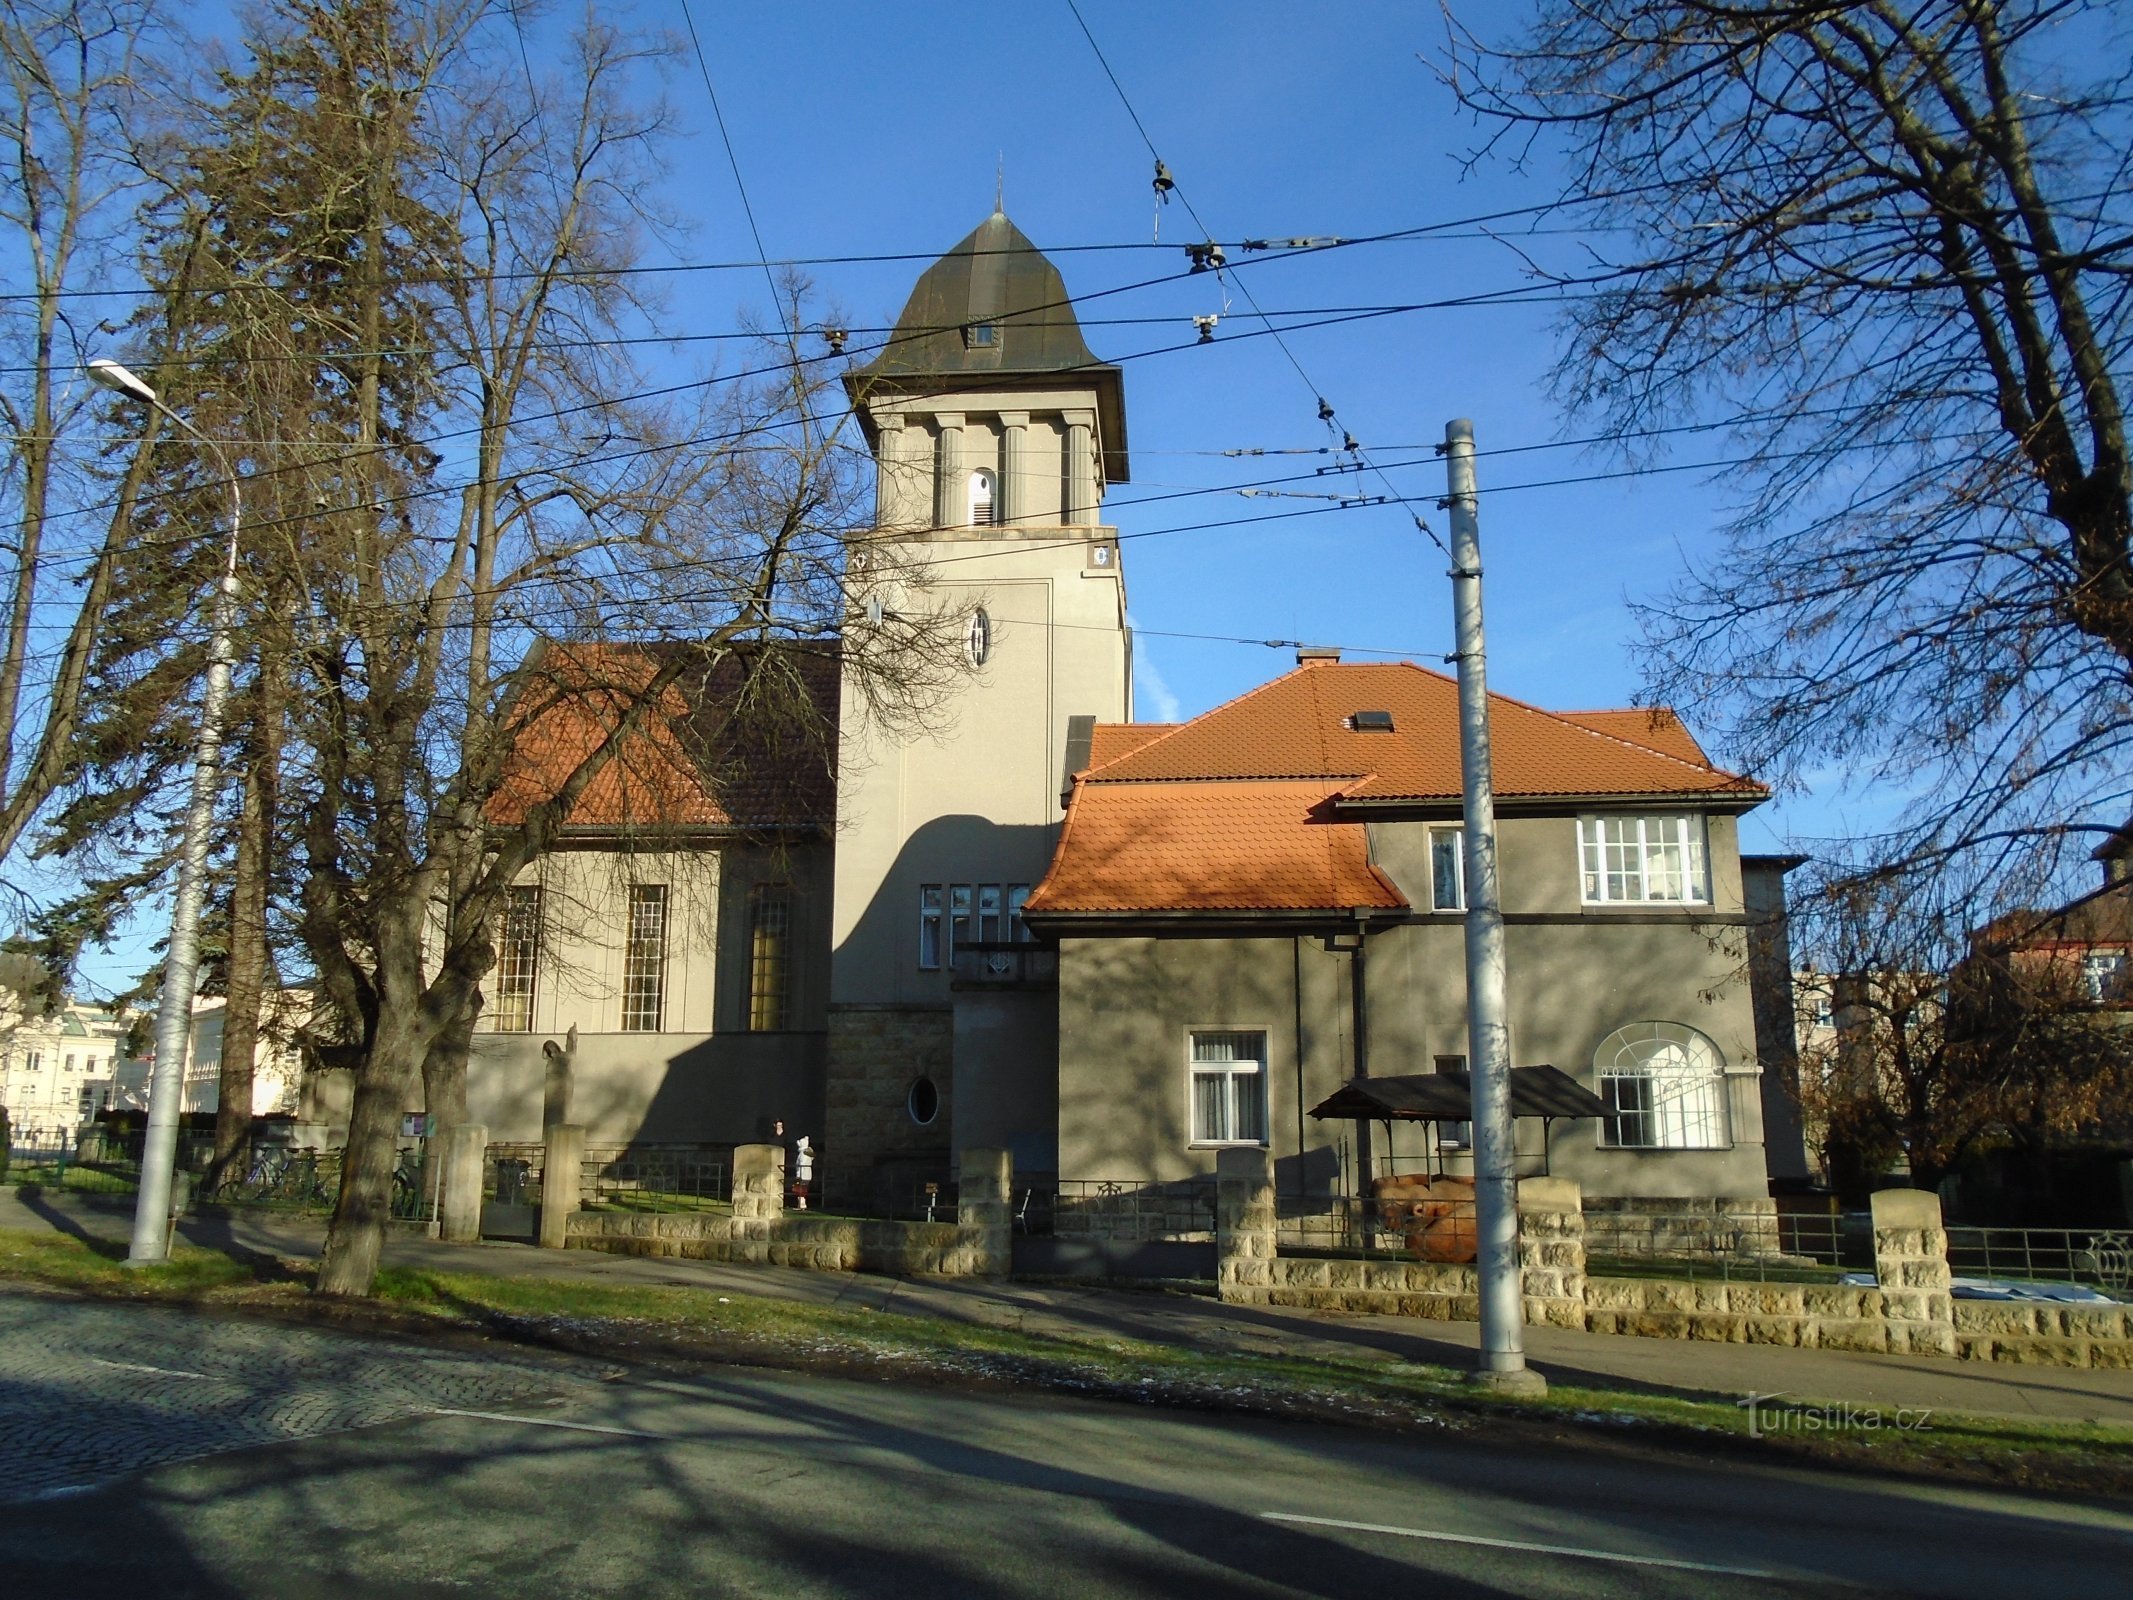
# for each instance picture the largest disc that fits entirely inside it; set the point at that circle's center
(984, 498)
(518, 958)
(952, 916)
(33, 1062)
(1643, 860)
(1228, 1087)
(1664, 1085)
(1447, 869)
(1452, 1135)
(977, 642)
(929, 926)
(644, 960)
(2103, 974)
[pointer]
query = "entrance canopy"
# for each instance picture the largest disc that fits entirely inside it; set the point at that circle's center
(1544, 1092)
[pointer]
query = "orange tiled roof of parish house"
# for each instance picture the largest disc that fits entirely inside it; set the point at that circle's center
(1236, 810)
(1299, 726)
(1253, 845)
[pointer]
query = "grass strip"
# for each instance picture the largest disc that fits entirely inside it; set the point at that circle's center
(650, 1323)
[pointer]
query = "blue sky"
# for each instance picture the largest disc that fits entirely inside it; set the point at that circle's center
(864, 129)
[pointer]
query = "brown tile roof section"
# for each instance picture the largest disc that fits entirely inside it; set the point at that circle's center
(1243, 846)
(1294, 727)
(1654, 726)
(1110, 740)
(722, 748)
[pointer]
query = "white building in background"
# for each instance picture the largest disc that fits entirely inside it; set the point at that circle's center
(277, 1063)
(57, 1070)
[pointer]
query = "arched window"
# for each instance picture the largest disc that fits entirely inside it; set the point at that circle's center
(982, 498)
(1665, 1088)
(978, 642)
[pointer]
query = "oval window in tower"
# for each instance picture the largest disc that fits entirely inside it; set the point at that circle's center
(979, 640)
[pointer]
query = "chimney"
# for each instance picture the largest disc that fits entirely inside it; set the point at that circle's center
(1311, 655)
(2115, 856)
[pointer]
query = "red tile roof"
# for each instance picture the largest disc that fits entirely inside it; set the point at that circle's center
(1242, 809)
(1254, 845)
(1298, 726)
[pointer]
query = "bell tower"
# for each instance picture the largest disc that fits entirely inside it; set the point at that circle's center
(995, 435)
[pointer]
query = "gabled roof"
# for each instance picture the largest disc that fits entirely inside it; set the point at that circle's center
(1253, 806)
(740, 741)
(1300, 725)
(1254, 845)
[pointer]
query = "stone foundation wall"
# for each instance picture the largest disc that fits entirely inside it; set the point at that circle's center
(760, 1230)
(2037, 1333)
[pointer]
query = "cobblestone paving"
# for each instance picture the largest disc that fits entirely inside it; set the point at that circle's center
(93, 1391)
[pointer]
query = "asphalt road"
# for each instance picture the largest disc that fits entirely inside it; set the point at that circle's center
(323, 1464)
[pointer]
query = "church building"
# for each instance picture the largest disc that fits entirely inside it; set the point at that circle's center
(1113, 948)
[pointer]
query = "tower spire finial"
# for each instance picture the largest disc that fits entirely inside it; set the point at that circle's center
(999, 185)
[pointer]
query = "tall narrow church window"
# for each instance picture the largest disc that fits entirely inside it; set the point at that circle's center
(644, 960)
(769, 958)
(518, 958)
(978, 642)
(982, 498)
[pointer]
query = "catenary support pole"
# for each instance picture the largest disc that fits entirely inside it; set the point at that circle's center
(1503, 1306)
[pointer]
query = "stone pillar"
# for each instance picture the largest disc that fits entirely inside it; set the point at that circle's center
(1244, 1225)
(562, 1181)
(758, 1198)
(1551, 1251)
(984, 1198)
(1911, 1264)
(1010, 498)
(556, 1081)
(1080, 485)
(466, 1148)
(951, 493)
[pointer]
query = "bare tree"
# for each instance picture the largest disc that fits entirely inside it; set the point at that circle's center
(1888, 248)
(70, 116)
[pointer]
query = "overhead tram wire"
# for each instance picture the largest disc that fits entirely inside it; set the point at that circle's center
(661, 391)
(1274, 247)
(1167, 184)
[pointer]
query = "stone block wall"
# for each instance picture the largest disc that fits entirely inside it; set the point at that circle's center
(1715, 1225)
(1244, 1225)
(1911, 1266)
(759, 1229)
(876, 1053)
(1551, 1251)
(2039, 1333)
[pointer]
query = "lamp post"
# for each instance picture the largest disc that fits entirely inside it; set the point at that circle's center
(166, 1086)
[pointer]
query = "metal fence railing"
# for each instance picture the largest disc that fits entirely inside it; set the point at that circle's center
(876, 1195)
(2100, 1258)
(1434, 1229)
(1757, 1246)
(61, 1166)
(1126, 1211)
(655, 1178)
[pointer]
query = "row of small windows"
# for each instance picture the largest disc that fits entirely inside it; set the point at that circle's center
(644, 959)
(1663, 1084)
(958, 916)
(33, 1061)
(1647, 860)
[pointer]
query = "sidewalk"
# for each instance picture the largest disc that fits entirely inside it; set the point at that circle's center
(1585, 1360)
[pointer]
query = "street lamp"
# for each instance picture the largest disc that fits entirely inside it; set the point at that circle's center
(166, 1086)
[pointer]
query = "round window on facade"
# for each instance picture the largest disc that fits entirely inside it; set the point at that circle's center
(979, 639)
(923, 1102)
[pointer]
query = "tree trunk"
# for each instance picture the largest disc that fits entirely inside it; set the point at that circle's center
(444, 1089)
(248, 939)
(384, 1087)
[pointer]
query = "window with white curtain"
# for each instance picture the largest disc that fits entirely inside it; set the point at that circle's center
(1643, 859)
(1228, 1087)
